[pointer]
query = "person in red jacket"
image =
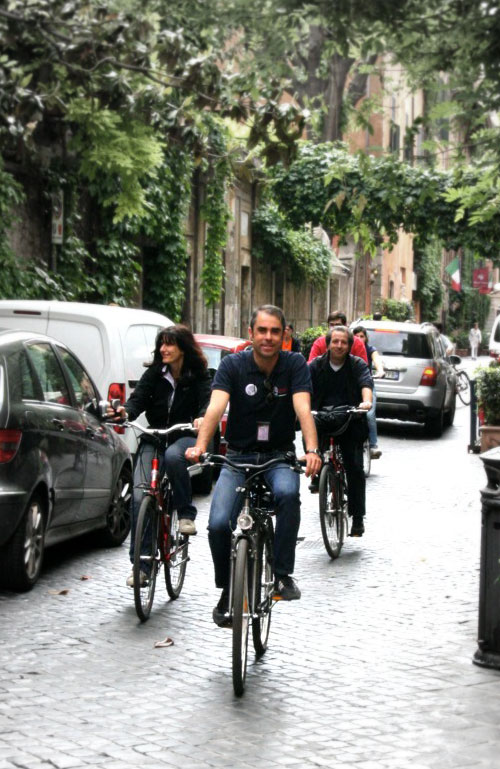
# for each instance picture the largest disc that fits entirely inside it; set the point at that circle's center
(337, 318)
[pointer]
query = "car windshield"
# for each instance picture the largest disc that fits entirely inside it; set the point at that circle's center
(405, 343)
(213, 356)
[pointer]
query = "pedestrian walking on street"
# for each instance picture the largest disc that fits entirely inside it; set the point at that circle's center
(174, 389)
(342, 379)
(376, 366)
(266, 389)
(475, 339)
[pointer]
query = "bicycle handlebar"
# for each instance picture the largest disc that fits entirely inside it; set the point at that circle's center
(219, 459)
(158, 432)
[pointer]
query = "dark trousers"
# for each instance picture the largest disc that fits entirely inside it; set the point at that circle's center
(352, 454)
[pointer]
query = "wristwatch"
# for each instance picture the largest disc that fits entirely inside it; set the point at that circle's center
(314, 451)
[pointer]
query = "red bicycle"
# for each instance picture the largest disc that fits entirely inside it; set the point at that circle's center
(158, 541)
(333, 484)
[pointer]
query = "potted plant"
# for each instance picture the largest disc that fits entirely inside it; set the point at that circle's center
(488, 394)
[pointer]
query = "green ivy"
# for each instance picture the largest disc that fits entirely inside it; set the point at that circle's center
(277, 244)
(215, 213)
(427, 265)
(162, 230)
(394, 309)
(309, 336)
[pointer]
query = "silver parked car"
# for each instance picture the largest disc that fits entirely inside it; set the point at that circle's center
(64, 470)
(420, 379)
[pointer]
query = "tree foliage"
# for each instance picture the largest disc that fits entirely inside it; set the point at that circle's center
(370, 199)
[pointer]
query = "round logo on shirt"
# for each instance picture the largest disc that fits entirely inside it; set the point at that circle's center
(250, 389)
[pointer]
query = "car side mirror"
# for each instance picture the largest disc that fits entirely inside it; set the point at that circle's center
(456, 360)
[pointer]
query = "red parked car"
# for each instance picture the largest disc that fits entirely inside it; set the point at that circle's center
(215, 348)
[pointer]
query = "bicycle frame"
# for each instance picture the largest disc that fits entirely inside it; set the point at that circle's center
(256, 510)
(157, 537)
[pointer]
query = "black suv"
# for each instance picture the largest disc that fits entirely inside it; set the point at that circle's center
(63, 469)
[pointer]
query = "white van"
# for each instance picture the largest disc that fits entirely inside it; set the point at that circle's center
(112, 342)
(494, 344)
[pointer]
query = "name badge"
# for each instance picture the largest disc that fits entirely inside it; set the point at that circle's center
(263, 431)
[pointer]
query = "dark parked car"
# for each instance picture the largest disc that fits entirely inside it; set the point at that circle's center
(63, 470)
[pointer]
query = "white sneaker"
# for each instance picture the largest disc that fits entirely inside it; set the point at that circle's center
(143, 578)
(187, 526)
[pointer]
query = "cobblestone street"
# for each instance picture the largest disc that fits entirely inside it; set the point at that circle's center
(372, 669)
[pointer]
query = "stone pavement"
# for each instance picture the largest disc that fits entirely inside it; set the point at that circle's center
(372, 669)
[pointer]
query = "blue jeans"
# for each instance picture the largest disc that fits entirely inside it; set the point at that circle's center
(372, 422)
(176, 466)
(227, 502)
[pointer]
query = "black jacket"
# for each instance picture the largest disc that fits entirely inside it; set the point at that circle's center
(153, 392)
(358, 376)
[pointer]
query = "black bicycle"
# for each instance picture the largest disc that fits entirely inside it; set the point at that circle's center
(158, 541)
(462, 387)
(333, 492)
(251, 588)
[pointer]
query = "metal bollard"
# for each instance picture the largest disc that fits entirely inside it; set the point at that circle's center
(488, 652)
(474, 440)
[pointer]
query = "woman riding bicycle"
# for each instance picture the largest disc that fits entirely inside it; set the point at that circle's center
(175, 388)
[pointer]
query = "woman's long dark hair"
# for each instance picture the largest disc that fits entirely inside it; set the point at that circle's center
(194, 361)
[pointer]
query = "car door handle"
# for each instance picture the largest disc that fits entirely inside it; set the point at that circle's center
(58, 423)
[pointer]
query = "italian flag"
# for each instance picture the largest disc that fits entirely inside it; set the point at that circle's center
(453, 271)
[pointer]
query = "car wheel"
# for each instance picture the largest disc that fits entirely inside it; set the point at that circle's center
(434, 425)
(22, 557)
(118, 515)
(449, 418)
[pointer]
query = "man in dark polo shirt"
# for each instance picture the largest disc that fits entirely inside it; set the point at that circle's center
(341, 379)
(266, 389)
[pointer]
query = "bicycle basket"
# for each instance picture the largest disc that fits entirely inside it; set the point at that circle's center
(331, 420)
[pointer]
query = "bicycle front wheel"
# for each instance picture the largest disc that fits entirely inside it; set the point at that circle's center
(241, 617)
(146, 556)
(463, 387)
(331, 511)
(264, 585)
(176, 558)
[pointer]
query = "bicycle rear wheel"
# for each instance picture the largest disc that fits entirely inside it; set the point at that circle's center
(463, 387)
(176, 557)
(262, 600)
(331, 510)
(241, 617)
(146, 556)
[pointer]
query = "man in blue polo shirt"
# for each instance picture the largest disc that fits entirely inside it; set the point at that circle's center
(267, 389)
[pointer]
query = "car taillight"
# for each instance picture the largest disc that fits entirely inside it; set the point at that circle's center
(429, 377)
(116, 391)
(223, 425)
(9, 444)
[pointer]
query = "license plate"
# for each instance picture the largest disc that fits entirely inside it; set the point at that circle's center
(392, 375)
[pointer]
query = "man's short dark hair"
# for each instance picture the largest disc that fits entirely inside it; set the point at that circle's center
(269, 309)
(337, 315)
(350, 336)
